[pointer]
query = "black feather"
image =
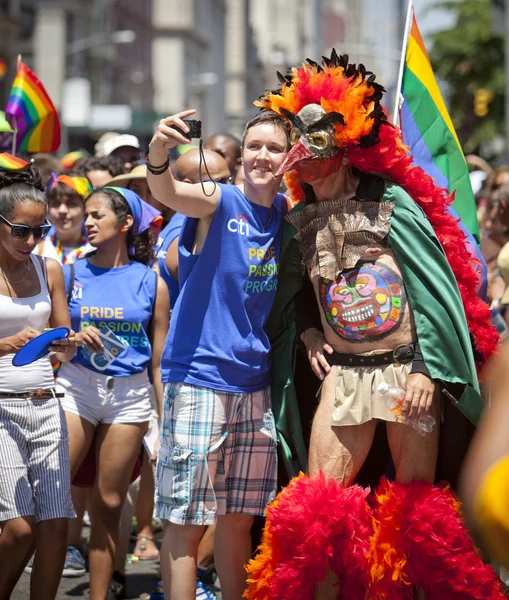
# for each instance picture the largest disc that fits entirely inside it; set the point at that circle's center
(327, 120)
(294, 119)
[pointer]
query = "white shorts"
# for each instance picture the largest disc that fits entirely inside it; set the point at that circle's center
(100, 398)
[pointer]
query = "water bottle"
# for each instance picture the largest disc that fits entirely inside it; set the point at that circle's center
(393, 398)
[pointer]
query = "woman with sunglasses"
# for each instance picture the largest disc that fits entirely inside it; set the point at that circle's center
(35, 499)
(107, 392)
(67, 242)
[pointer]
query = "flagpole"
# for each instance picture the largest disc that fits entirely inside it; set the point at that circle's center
(15, 128)
(408, 23)
(14, 135)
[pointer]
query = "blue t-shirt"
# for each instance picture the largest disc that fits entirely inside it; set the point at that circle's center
(217, 337)
(166, 237)
(122, 299)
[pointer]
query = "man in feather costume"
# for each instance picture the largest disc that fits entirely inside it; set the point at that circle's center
(377, 282)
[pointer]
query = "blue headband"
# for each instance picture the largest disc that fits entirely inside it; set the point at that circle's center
(144, 215)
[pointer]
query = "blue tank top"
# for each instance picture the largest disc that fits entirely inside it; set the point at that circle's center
(166, 237)
(123, 300)
(217, 337)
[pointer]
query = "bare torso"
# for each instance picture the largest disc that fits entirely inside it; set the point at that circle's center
(366, 308)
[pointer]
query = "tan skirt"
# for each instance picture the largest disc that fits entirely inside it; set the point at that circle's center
(355, 389)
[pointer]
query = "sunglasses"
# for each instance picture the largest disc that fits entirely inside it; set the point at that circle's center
(21, 232)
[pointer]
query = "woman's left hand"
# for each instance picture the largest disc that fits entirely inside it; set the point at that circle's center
(65, 345)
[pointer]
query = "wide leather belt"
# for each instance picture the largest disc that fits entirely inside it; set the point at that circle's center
(401, 355)
(33, 395)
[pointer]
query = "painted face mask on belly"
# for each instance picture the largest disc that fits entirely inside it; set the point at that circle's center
(365, 303)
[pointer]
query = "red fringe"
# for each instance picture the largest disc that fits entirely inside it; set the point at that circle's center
(425, 543)
(314, 524)
(391, 159)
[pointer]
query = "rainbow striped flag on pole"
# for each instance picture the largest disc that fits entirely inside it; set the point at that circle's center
(427, 127)
(31, 114)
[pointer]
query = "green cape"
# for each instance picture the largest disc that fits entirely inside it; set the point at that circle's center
(437, 307)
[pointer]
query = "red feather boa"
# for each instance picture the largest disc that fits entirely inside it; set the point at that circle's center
(419, 539)
(313, 524)
(391, 159)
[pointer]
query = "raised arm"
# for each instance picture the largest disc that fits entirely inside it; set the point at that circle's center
(186, 198)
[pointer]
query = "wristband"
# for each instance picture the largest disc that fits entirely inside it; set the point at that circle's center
(157, 170)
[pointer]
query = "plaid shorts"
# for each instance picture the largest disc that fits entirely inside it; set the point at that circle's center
(217, 454)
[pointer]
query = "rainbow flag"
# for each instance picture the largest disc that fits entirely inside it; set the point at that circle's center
(12, 163)
(32, 114)
(69, 160)
(428, 130)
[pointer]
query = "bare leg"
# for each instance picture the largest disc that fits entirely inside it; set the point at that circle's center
(144, 512)
(49, 560)
(125, 526)
(178, 561)
(206, 547)
(328, 588)
(79, 499)
(81, 434)
(16, 544)
(232, 552)
(339, 452)
(117, 447)
(415, 455)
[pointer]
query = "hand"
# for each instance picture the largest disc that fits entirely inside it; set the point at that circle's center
(153, 458)
(89, 337)
(316, 345)
(420, 390)
(16, 342)
(64, 345)
(166, 136)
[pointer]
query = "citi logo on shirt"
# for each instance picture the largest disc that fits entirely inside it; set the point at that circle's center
(77, 291)
(239, 225)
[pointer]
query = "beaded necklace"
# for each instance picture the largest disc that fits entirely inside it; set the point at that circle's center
(72, 256)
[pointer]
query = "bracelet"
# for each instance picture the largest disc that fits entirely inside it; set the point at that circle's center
(159, 170)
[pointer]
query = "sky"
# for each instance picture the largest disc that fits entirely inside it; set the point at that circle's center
(431, 20)
(384, 27)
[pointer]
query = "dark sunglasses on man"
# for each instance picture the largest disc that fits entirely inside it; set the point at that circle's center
(21, 232)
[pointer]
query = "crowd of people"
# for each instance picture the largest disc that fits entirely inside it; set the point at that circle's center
(219, 317)
(118, 248)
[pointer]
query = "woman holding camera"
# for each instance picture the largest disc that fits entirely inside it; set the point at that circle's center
(217, 458)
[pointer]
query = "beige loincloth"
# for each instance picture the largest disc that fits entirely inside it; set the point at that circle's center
(356, 391)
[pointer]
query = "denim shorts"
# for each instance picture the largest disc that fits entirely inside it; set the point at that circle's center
(217, 454)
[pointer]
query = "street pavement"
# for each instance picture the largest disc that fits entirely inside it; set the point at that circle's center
(142, 578)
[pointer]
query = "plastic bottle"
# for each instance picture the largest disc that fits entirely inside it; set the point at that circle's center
(394, 400)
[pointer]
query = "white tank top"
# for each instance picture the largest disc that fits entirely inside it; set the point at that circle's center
(15, 315)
